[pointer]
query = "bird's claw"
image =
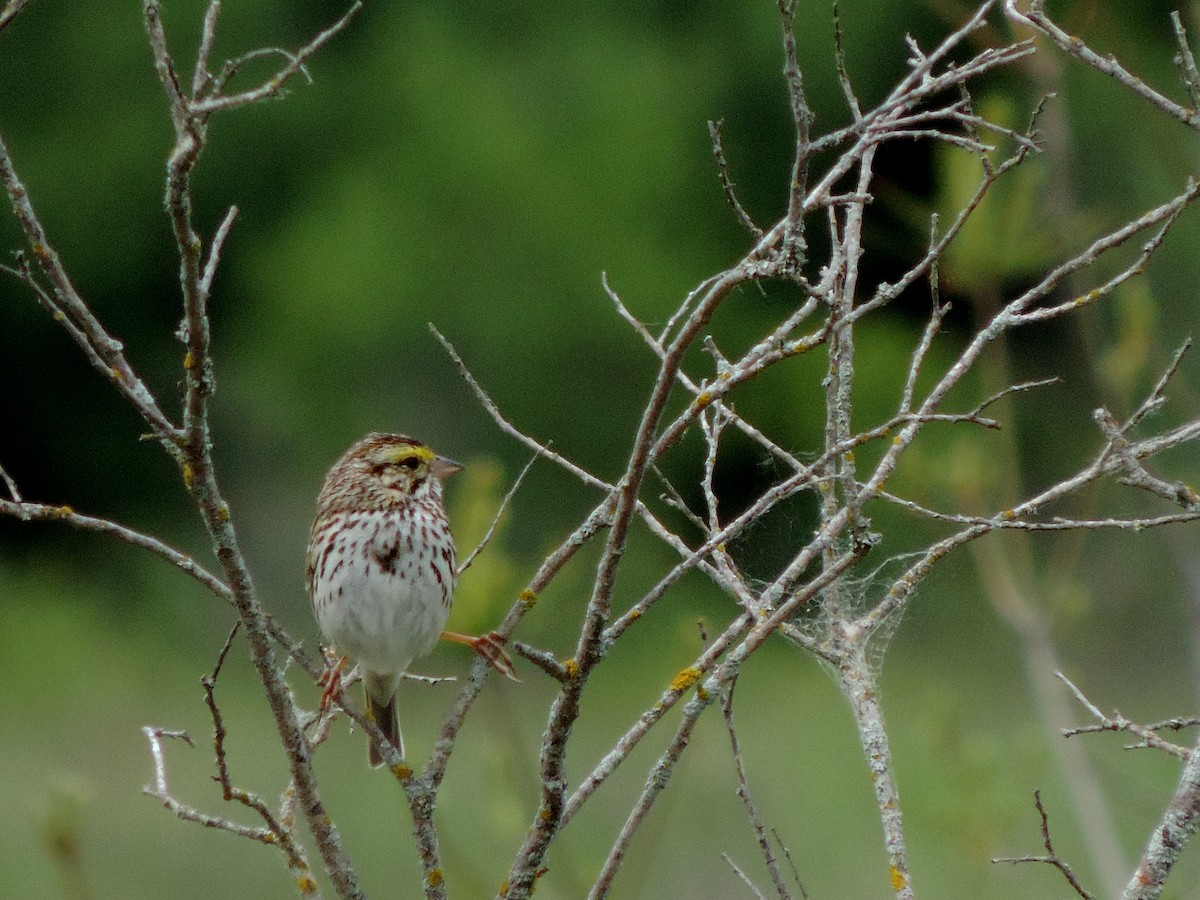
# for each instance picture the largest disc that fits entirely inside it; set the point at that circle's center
(331, 682)
(491, 647)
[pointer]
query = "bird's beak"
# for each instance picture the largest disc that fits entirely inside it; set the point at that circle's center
(443, 467)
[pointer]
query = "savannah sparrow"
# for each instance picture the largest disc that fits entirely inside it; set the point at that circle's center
(381, 567)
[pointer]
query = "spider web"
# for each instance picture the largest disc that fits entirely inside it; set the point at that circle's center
(857, 594)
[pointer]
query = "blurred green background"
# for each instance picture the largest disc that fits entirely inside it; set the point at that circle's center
(478, 166)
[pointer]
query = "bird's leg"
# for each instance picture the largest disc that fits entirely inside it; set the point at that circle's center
(490, 647)
(331, 681)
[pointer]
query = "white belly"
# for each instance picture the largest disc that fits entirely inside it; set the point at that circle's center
(380, 598)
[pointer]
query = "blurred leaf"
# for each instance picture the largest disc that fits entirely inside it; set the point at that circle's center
(1004, 240)
(1123, 364)
(489, 587)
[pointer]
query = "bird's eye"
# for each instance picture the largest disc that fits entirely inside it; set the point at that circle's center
(411, 463)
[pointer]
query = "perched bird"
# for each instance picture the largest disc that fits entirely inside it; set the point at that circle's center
(381, 567)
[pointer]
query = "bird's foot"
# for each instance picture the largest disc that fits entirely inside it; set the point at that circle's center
(331, 681)
(491, 647)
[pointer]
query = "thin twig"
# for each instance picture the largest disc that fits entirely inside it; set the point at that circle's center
(272, 86)
(487, 536)
(839, 57)
(506, 426)
(11, 10)
(745, 879)
(723, 371)
(787, 854)
(280, 828)
(38, 512)
(932, 327)
(1157, 396)
(209, 683)
(718, 151)
(752, 813)
(684, 679)
(160, 790)
(103, 351)
(208, 34)
(1185, 61)
(706, 692)
(1117, 722)
(543, 659)
(1051, 858)
(11, 486)
(792, 237)
(1036, 18)
(214, 250)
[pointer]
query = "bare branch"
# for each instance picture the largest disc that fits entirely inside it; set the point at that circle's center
(282, 834)
(1037, 19)
(1167, 214)
(604, 508)
(931, 329)
(684, 679)
(544, 660)
(209, 683)
(272, 86)
(37, 512)
(724, 370)
(528, 598)
(857, 681)
(1007, 520)
(1157, 396)
(1123, 454)
(1011, 315)
(706, 692)
(1174, 724)
(808, 598)
(189, 119)
(235, 65)
(884, 293)
(656, 781)
(1117, 722)
(1179, 822)
(787, 854)
(1051, 858)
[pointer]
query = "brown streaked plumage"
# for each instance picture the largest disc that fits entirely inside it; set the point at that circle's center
(381, 564)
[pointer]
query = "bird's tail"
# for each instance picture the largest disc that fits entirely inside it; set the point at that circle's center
(385, 717)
